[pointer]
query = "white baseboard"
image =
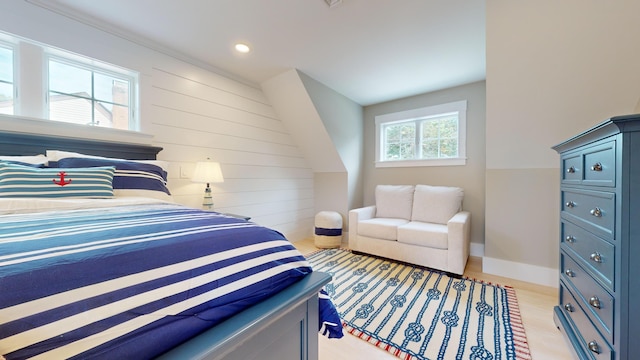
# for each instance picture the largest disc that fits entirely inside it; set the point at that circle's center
(519, 271)
(514, 270)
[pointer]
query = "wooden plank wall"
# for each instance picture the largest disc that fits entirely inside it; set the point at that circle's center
(196, 114)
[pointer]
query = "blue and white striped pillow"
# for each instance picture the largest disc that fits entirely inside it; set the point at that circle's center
(25, 181)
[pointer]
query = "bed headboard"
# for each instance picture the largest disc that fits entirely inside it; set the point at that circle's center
(31, 144)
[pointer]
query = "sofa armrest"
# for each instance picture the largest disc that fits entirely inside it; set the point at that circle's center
(364, 213)
(459, 229)
(356, 215)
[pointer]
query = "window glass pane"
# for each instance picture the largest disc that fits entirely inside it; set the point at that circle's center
(448, 148)
(71, 109)
(88, 96)
(6, 99)
(440, 137)
(113, 116)
(430, 129)
(449, 127)
(6, 65)
(102, 114)
(430, 149)
(120, 117)
(399, 141)
(111, 89)
(69, 79)
(6, 81)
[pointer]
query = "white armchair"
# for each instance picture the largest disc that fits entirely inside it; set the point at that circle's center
(422, 225)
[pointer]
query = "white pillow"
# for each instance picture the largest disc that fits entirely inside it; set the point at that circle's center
(394, 201)
(33, 160)
(143, 193)
(436, 204)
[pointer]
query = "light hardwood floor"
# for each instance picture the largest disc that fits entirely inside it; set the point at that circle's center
(536, 307)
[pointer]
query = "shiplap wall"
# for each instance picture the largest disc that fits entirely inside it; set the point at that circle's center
(193, 113)
(197, 115)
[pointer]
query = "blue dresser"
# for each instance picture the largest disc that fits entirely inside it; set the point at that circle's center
(599, 296)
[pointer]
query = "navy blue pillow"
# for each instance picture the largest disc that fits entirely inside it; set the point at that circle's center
(129, 174)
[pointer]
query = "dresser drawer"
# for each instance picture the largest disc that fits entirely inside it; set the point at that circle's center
(572, 168)
(597, 255)
(591, 340)
(596, 301)
(593, 210)
(600, 165)
(594, 165)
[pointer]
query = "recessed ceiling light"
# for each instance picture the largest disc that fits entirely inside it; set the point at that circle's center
(243, 48)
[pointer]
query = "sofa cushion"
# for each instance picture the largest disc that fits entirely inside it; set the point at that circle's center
(394, 201)
(424, 234)
(380, 228)
(436, 204)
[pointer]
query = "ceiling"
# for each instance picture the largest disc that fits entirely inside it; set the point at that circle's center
(371, 51)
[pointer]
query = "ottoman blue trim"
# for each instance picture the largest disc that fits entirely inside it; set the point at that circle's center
(328, 232)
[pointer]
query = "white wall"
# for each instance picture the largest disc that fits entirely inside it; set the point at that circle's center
(193, 113)
(327, 126)
(342, 119)
(554, 69)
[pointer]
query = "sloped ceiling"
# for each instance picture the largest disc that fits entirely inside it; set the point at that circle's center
(287, 94)
(370, 51)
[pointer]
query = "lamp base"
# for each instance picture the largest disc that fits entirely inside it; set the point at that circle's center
(207, 201)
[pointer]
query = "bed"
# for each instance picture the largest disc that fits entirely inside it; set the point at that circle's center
(138, 276)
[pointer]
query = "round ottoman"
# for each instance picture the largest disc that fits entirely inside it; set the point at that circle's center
(328, 232)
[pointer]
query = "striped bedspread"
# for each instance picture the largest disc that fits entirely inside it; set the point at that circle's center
(130, 282)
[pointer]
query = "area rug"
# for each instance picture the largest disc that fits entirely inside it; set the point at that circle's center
(415, 313)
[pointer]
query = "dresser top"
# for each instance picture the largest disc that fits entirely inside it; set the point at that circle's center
(612, 126)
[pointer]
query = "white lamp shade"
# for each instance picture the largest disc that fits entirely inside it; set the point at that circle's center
(207, 172)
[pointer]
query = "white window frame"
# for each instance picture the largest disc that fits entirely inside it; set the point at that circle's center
(95, 67)
(459, 107)
(31, 88)
(14, 51)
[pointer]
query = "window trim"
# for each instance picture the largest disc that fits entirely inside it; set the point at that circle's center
(95, 67)
(457, 106)
(14, 52)
(30, 79)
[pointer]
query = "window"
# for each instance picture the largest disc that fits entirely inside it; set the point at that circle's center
(89, 95)
(6, 80)
(59, 85)
(430, 136)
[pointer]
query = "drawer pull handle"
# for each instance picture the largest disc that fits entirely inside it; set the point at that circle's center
(595, 302)
(570, 273)
(570, 204)
(596, 257)
(570, 239)
(571, 170)
(596, 167)
(593, 346)
(596, 212)
(568, 307)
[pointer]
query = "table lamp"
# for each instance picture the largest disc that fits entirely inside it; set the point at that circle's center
(207, 172)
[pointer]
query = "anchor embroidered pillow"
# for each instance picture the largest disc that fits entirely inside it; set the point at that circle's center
(24, 181)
